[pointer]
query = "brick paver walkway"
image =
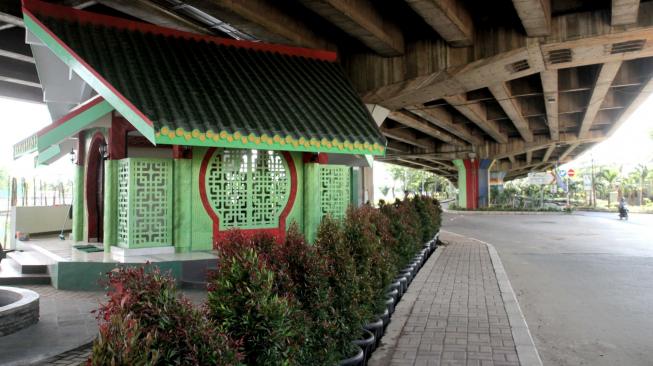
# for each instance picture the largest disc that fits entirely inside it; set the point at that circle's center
(452, 314)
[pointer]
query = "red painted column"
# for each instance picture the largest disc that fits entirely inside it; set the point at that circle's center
(117, 144)
(471, 170)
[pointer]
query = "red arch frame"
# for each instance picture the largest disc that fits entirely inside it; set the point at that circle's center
(279, 232)
(91, 186)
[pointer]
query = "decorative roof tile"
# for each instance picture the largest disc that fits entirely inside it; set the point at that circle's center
(200, 90)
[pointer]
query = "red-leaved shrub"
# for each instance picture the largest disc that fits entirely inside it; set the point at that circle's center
(146, 322)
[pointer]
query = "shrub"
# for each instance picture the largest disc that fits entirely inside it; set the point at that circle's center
(402, 218)
(365, 229)
(307, 273)
(146, 322)
(343, 281)
(242, 298)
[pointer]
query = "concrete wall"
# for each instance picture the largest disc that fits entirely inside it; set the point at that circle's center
(39, 219)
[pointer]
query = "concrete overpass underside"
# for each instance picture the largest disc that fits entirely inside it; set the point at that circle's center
(522, 83)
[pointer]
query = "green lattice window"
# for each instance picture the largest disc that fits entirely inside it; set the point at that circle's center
(247, 188)
(144, 202)
(335, 190)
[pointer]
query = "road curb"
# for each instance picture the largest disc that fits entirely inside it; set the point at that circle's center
(521, 334)
(507, 212)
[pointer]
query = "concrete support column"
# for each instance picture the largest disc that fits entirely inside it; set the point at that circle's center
(368, 184)
(484, 182)
(473, 182)
(182, 199)
(496, 179)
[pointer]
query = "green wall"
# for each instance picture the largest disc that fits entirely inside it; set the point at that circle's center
(201, 223)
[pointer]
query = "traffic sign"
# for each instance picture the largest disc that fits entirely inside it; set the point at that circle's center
(562, 173)
(587, 182)
(571, 173)
(541, 178)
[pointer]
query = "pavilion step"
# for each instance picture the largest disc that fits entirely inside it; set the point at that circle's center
(10, 276)
(30, 262)
(194, 273)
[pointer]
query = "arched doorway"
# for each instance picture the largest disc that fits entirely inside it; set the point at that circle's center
(95, 188)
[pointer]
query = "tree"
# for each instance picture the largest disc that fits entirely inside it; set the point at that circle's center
(610, 177)
(412, 180)
(642, 173)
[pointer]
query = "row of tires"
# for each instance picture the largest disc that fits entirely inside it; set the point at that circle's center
(372, 332)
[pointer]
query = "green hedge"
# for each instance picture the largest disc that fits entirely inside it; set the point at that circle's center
(282, 303)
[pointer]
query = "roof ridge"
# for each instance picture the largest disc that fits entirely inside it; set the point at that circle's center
(71, 14)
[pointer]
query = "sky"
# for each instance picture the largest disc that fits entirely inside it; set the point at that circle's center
(630, 145)
(21, 119)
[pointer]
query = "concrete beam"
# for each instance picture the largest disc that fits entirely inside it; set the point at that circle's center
(476, 113)
(17, 72)
(405, 136)
(361, 20)
(418, 124)
(449, 18)
(535, 16)
(264, 21)
(11, 19)
(568, 151)
(512, 109)
(455, 79)
(443, 119)
(548, 153)
(603, 82)
(20, 92)
(16, 56)
(155, 14)
(624, 12)
(517, 146)
(550, 88)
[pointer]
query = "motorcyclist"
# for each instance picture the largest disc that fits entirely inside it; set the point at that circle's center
(623, 210)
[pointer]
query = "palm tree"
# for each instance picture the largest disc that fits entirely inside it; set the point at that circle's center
(610, 177)
(642, 173)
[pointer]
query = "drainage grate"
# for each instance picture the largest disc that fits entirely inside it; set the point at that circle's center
(518, 66)
(628, 46)
(560, 56)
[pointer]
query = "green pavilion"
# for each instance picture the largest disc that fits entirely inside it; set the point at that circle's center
(178, 138)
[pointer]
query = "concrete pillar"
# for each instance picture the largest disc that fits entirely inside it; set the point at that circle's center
(473, 182)
(368, 184)
(496, 179)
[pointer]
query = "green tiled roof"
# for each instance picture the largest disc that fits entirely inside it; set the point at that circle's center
(203, 91)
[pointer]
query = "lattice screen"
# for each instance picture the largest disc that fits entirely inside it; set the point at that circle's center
(123, 202)
(144, 202)
(247, 188)
(335, 190)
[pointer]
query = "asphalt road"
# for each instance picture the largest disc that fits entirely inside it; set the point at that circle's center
(584, 281)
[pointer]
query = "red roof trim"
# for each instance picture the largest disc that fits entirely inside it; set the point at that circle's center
(73, 113)
(80, 16)
(84, 63)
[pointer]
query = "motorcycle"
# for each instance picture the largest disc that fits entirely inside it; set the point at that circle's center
(623, 213)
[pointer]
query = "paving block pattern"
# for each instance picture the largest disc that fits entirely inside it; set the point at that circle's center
(458, 316)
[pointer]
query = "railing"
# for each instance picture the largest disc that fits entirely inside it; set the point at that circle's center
(25, 146)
